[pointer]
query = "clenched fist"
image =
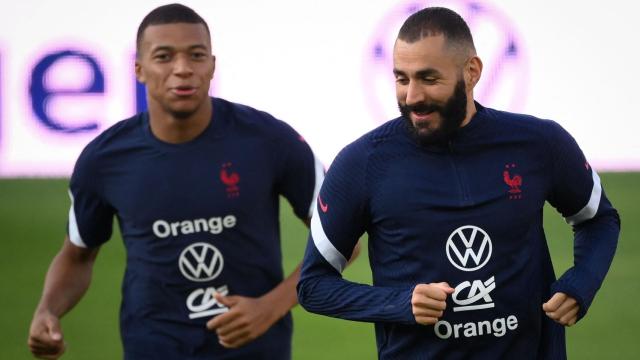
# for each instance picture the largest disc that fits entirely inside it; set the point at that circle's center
(562, 308)
(428, 302)
(45, 336)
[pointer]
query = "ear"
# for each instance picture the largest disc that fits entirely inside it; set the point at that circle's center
(139, 73)
(213, 70)
(472, 71)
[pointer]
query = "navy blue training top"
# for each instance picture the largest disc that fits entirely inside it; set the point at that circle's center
(469, 214)
(196, 218)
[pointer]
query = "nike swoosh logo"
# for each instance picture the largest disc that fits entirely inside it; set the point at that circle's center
(324, 207)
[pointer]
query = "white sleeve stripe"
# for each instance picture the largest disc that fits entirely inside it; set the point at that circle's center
(319, 168)
(324, 246)
(74, 233)
(589, 210)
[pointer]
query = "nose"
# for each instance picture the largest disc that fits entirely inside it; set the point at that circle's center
(182, 66)
(415, 95)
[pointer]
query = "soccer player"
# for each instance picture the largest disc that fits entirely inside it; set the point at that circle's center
(451, 195)
(195, 185)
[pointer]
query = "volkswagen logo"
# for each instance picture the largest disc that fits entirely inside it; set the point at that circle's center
(201, 262)
(469, 248)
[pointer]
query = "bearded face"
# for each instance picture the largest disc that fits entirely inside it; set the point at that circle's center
(444, 118)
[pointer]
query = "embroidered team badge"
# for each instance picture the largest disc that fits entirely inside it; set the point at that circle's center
(230, 179)
(513, 181)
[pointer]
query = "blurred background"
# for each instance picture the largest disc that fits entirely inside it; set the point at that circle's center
(66, 74)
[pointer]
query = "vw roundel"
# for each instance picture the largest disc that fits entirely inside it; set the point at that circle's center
(469, 248)
(201, 262)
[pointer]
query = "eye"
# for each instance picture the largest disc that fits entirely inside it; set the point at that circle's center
(198, 55)
(162, 57)
(429, 79)
(402, 80)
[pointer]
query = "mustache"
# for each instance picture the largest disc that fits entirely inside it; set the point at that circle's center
(420, 108)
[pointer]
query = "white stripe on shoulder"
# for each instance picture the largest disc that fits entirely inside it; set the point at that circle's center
(324, 246)
(589, 210)
(74, 233)
(319, 170)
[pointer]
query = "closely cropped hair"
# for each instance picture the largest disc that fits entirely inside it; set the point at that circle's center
(169, 14)
(433, 21)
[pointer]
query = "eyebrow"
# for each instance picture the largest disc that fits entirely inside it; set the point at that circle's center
(172, 48)
(420, 73)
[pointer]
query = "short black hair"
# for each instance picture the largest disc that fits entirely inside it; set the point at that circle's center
(434, 21)
(169, 14)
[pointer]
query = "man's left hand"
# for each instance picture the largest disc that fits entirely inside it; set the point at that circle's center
(247, 319)
(562, 308)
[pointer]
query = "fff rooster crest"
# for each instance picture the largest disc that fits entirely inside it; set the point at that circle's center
(230, 179)
(513, 181)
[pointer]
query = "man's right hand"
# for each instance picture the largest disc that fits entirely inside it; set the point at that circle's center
(45, 336)
(428, 302)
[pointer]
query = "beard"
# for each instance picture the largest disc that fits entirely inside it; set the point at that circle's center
(452, 114)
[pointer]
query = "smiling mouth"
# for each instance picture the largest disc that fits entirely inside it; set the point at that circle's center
(422, 113)
(422, 116)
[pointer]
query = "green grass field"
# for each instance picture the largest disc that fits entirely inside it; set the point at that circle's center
(33, 217)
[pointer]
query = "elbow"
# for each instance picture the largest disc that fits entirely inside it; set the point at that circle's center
(308, 295)
(302, 289)
(608, 221)
(616, 218)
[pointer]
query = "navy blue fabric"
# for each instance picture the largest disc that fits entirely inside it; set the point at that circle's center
(414, 202)
(179, 202)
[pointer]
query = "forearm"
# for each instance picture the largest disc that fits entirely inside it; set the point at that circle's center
(283, 297)
(333, 296)
(595, 245)
(322, 290)
(67, 280)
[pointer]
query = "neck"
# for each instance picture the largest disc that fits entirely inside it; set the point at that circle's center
(471, 110)
(166, 127)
